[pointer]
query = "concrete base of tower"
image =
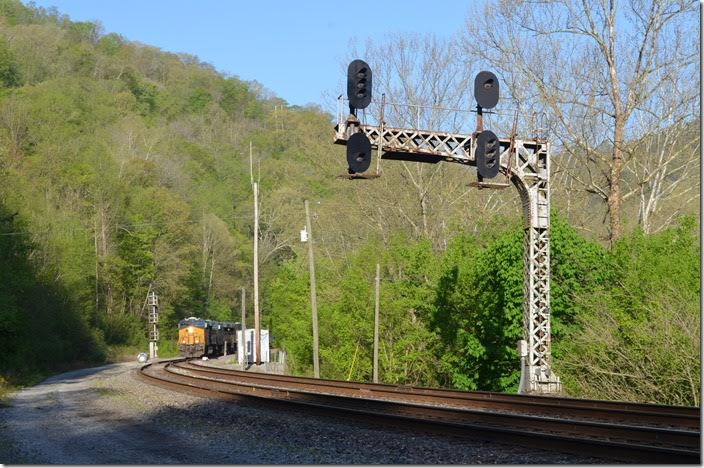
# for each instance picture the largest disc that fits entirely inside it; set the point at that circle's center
(539, 381)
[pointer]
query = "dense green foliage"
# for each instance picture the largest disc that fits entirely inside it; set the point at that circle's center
(480, 302)
(125, 169)
(454, 318)
(450, 318)
(41, 324)
(120, 166)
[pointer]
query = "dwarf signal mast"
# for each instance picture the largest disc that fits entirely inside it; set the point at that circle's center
(525, 163)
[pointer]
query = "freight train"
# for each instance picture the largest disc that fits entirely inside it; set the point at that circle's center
(201, 337)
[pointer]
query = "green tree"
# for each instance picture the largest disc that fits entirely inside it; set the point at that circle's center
(287, 300)
(479, 302)
(9, 70)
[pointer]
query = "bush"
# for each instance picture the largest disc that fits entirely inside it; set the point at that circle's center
(479, 302)
(638, 337)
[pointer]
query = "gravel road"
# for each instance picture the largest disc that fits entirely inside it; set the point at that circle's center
(105, 415)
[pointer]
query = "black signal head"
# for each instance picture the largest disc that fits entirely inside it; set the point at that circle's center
(486, 89)
(359, 84)
(359, 153)
(487, 154)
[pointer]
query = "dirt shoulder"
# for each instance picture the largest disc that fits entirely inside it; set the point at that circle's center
(105, 415)
(79, 417)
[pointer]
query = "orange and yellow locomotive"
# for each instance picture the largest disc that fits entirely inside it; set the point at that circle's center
(200, 337)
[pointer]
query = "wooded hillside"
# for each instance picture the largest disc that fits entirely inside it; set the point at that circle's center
(126, 168)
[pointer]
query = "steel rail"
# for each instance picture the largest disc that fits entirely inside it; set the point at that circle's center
(634, 413)
(601, 439)
(675, 437)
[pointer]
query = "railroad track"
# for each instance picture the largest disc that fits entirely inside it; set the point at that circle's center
(612, 430)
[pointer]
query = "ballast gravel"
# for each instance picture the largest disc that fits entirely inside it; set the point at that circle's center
(106, 416)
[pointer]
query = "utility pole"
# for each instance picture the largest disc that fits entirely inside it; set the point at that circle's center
(243, 327)
(376, 326)
(257, 350)
(313, 302)
(257, 332)
(251, 173)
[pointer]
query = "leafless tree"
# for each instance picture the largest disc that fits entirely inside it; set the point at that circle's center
(663, 173)
(14, 126)
(593, 66)
(662, 367)
(274, 239)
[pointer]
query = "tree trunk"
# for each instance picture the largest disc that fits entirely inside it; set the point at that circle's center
(614, 201)
(424, 214)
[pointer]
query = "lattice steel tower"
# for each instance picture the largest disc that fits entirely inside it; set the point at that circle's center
(153, 301)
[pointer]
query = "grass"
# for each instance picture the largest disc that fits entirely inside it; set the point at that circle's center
(106, 392)
(8, 387)
(123, 353)
(6, 391)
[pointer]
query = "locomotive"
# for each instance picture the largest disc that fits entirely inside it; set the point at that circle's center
(199, 337)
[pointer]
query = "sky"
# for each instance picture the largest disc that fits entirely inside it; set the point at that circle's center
(294, 49)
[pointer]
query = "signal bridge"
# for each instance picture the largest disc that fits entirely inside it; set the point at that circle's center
(525, 163)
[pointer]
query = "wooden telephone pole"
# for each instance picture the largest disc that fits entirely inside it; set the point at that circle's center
(313, 302)
(243, 355)
(257, 332)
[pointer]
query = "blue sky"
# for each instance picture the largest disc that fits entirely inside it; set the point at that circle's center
(295, 49)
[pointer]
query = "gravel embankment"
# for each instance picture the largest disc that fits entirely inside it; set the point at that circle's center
(106, 416)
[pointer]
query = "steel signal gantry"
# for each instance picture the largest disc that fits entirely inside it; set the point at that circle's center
(526, 163)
